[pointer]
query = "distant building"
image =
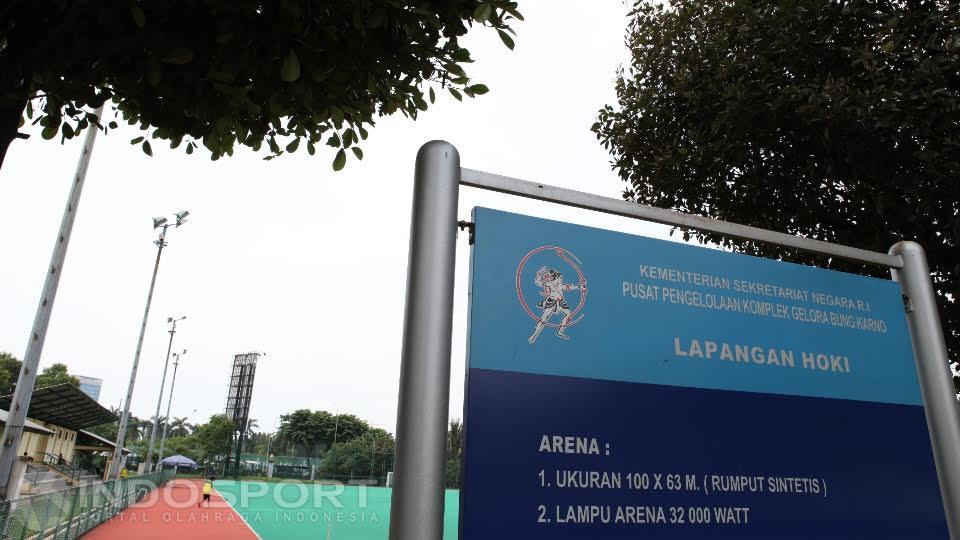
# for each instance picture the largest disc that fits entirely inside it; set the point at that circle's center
(90, 386)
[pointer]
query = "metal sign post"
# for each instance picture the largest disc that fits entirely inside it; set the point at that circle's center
(416, 512)
(936, 384)
(418, 495)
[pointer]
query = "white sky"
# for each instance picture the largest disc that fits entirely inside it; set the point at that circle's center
(286, 256)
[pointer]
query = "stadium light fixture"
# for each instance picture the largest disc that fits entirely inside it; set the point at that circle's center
(161, 242)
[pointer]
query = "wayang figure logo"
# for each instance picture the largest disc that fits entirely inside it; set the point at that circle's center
(552, 289)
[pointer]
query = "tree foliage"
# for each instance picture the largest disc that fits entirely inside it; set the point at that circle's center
(370, 455)
(217, 73)
(837, 120)
(214, 437)
(188, 446)
(454, 453)
(180, 427)
(55, 374)
(9, 372)
(311, 433)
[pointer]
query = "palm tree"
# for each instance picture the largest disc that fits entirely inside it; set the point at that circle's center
(251, 424)
(179, 427)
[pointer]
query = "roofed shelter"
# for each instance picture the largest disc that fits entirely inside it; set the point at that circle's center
(56, 416)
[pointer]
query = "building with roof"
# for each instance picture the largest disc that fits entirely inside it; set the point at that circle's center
(91, 386)
(54, 435)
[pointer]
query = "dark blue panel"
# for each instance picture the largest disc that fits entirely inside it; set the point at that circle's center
(874, 460)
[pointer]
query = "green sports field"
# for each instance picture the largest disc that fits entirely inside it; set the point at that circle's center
(293, 510)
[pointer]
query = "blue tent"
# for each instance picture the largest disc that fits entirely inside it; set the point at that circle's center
(179, 461)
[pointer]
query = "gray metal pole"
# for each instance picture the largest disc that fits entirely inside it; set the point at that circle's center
(163, 381)
(416, 511)
(620, 207)
(166, 424)
(936, 385)
(13, 431)
(125, 417)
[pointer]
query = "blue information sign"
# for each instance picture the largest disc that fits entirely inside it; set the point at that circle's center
(624, 387)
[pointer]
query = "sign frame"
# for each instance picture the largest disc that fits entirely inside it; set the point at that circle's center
(417, 500)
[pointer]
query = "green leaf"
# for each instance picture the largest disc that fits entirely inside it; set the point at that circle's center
(337, 114)
(49, 132)
(340, 160)
(294, 144)
(311, 149)
(138, 140)
(433, 96)
(349, 137)
(179, 55)
(456, 94)
(290, 71)
(334, 140)
(146, 148)
(189, 148)
(478, 89)
(506, 39)
(138, 16)
(112, 125)
(357, 152)
(67, 130)
(482, 13)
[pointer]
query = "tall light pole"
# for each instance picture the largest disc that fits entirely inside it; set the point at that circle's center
(163, 381)
(13, 431)
(158, 223)
(166, 422)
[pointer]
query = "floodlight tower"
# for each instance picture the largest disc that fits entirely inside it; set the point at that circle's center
(156, 417)
(23, 392)
(162, 224)
(166, 422)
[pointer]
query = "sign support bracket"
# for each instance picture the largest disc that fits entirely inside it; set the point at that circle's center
(416, 511)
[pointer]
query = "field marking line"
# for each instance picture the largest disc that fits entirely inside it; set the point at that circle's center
(239, 515)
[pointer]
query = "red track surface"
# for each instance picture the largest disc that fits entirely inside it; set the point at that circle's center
(171, 512)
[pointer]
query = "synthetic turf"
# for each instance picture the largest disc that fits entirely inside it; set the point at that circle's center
(294, 511)
(171, 513)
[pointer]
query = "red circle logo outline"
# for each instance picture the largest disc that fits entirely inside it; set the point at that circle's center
(582, 280)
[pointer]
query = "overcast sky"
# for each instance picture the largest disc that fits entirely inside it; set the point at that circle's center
(287, 257)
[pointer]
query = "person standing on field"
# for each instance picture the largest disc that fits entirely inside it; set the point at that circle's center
(207, 490)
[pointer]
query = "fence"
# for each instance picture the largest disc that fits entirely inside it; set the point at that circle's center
(72, 512)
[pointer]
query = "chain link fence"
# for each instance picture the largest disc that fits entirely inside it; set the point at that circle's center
(72, 512)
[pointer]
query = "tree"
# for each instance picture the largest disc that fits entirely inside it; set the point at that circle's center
(260, 443)
(454, 453)
(834, 120)
(9, 373)
(55, 374)
(179, 427)
(310, 433)
(251, 426)
(369, 455)
(224, 72)
(188, 446)
(214, 437)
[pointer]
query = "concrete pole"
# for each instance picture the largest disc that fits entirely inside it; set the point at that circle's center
(166, 424)
(933, 370)
(163, 382)
(416, 511)
(125, 417)
(13, 430)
